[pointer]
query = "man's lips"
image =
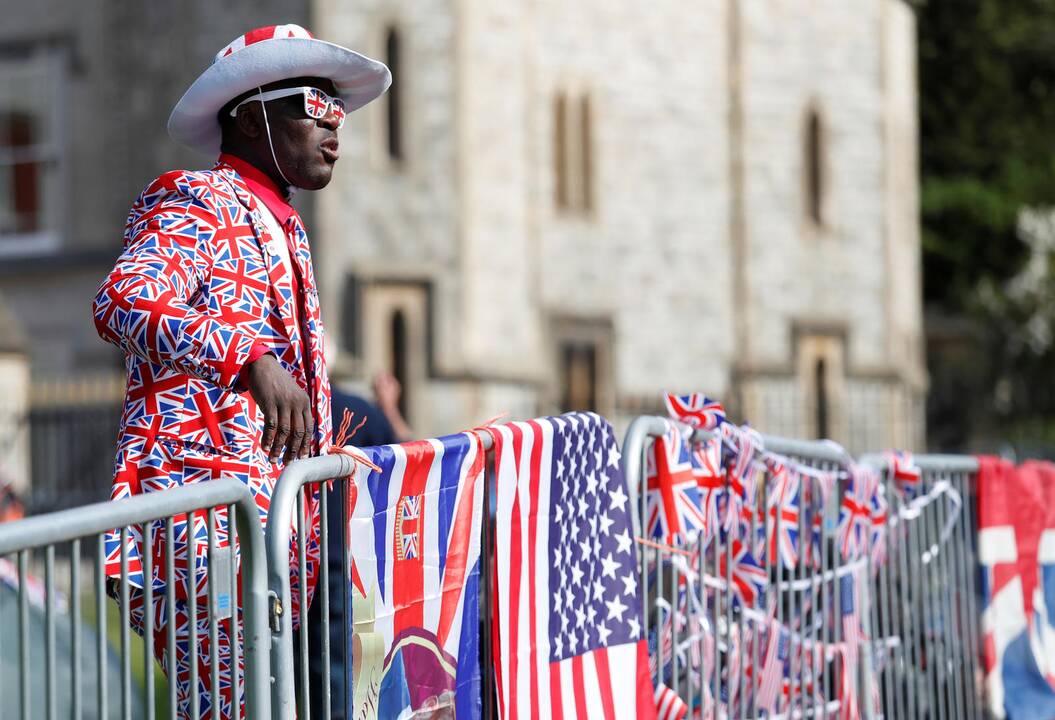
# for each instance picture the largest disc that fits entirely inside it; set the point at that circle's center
(329, 150)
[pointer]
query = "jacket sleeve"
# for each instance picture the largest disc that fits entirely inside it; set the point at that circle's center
(144, 305)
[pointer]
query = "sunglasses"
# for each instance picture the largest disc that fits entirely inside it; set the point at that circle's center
(317, 104)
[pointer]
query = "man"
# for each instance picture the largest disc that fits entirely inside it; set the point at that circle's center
(214, 303)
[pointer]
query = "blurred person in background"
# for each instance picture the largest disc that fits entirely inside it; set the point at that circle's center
(215, 305)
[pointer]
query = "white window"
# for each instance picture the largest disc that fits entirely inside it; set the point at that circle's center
(573, 153)
(31, 115)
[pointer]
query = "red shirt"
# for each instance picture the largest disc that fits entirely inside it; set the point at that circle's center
(267, 192)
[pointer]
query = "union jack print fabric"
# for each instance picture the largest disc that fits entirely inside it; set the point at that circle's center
(199, 283)
(414, 531)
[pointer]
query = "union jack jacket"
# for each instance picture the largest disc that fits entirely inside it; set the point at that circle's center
(199, 283)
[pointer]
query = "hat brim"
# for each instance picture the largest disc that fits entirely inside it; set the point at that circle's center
(193, 122)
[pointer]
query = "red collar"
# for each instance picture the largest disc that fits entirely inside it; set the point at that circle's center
(262, 186)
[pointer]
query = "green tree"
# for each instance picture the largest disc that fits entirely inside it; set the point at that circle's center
(987, 112)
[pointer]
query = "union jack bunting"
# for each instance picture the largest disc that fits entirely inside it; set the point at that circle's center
(696, 410)
(673, 504)
(742, 471)
(880, 517)
(414, 534)
(745, 575)
(855, 511)
(570, 642)
(710, 479)
(908, 478)
(783, 507)
(198, 284)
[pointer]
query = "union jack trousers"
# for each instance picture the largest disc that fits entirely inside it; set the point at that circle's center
(199, 283)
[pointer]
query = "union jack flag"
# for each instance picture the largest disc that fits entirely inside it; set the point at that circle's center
(710, 479)
(696, 410)
(745, 575)
(416, 600)
(742, 470)
(908, 478)
(783, 507)
(673, 500)
(855, 511)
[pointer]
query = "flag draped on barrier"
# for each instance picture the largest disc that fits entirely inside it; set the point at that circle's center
(569, 640)
(1016, 549)
(415, 546)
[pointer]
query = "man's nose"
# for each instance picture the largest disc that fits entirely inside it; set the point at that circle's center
(331, 119)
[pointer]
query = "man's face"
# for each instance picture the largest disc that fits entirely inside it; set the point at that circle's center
(306, 149)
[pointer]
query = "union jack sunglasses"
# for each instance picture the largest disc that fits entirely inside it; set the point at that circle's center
(317, 104)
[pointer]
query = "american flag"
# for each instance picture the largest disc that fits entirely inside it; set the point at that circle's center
(696, 410)
(849, 613)
(414, 532)
(569, 641)
(673, 502)
(778, 646)
(669, 706)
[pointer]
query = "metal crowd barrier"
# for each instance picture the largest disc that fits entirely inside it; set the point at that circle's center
(296, 690)
(919, 653)
(927, 620)
(61, 534)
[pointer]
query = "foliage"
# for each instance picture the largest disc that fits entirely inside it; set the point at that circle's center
(987, 116)
(987, 113)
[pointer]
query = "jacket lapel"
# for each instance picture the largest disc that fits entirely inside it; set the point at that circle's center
(280, 281)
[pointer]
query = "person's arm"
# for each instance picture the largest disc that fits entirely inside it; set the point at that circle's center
(387, 391)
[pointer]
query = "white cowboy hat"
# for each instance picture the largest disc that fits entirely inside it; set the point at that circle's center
(266, 55)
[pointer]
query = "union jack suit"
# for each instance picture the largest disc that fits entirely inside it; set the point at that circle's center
(200, 282)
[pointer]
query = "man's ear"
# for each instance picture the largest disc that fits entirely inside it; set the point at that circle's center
(249, 120)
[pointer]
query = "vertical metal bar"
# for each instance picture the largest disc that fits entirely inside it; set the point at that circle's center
(100, 614)
(701, 611)
(962, 583)
(302, 585)
(645, 550)
(837, 598)
(23, 631)
(897, 540)
(192, 612)
(913, 618)
(49, 632)
(945, 551)
(826, 588)
(322, 593)
(214, 630)
(729, 680)
(486, 676)
(884, 621)
(148, 616)
(170, 615)
(716, 676)
(675, 671)
(126, 642)
(234, 621)
(76, 710)
(800, 577)
(927, 619)
(968, 489)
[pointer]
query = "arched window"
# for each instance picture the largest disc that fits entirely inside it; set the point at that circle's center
(814, 160)
(394, 118)
(820, 399)
(560, 151)
(398, 348)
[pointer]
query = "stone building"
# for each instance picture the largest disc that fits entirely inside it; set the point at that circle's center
(567, 205)
(558, 205)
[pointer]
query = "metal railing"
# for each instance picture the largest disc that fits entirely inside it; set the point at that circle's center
(918, 653)
(51, 533)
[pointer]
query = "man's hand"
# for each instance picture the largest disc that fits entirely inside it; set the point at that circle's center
(288, 424)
